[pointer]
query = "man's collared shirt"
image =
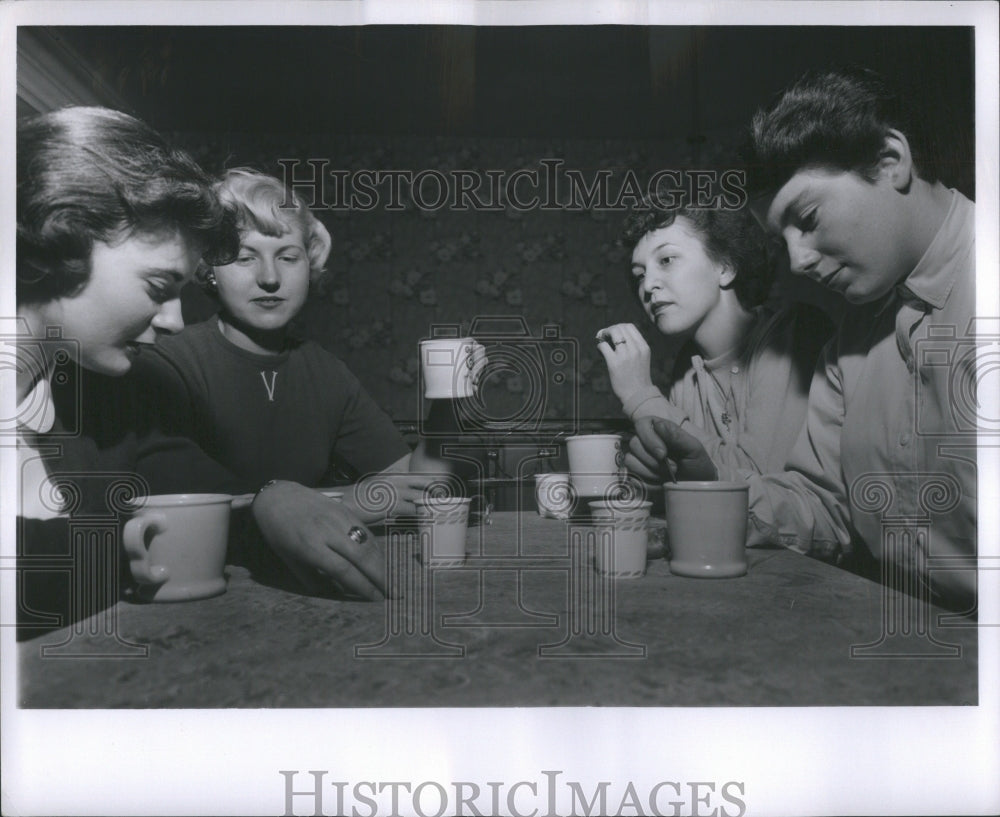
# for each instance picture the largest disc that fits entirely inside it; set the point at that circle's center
(887, 457)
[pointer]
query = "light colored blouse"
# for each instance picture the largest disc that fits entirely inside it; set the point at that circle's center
(35, 417)
(747, 405)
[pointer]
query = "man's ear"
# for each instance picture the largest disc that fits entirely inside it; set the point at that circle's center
(895, 162)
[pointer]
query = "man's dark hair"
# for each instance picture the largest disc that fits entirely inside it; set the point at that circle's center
(93, 174)
(836, 118)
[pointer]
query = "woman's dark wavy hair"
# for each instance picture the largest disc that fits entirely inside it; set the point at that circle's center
(834, 118)
(93, 174)
(730, 237)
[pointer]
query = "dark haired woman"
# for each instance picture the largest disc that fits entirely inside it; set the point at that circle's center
(741, 383)
(111, 223)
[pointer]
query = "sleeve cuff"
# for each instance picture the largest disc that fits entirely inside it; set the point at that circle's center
(631, 403)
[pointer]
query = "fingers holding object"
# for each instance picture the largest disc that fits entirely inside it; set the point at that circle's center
(614, 336)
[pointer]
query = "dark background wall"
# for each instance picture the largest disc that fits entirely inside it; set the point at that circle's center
(440, 98)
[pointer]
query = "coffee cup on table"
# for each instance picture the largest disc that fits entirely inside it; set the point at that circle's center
(442, 523)
(176, 545)
(707, 527)
(449, 367)
(621, 527)
(595, 464)
(554, 495)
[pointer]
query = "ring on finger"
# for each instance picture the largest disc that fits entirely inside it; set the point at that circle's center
(358, 535)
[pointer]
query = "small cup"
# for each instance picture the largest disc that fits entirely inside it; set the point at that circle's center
(448, 366)
(176, 545)
(621, 537)
(707, 528)
(554, 495)
(595, 463)
(443, 523)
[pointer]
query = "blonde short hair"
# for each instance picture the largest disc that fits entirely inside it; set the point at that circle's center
(263, 203)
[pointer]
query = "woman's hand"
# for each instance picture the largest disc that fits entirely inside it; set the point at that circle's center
(478, 361)
(375, 498)
(320, 541)
(627, 354)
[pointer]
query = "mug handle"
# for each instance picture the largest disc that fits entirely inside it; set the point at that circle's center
(484, 515)
(476, 361)
(134, 536)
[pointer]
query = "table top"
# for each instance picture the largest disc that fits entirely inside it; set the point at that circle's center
(525, 622)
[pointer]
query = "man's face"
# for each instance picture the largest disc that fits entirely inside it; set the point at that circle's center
(842, 230)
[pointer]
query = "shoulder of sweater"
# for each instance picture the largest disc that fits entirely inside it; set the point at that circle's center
(313, 350)
(193, 338)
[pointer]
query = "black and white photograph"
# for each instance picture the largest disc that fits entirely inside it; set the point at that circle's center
(499, 408)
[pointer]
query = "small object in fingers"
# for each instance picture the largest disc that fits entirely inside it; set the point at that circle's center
(359, 535)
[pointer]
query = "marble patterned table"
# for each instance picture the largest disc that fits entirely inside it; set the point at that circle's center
(524, 623)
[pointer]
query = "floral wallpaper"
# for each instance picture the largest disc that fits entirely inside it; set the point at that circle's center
(395, 274)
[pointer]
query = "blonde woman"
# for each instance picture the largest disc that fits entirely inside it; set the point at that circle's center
(259, 400)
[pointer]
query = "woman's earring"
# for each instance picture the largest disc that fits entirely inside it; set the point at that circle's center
(210, 282)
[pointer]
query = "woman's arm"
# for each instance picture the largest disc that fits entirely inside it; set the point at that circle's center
(782, 357)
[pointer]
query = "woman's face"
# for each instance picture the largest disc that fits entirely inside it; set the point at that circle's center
(132, 294)
(267, 285)
(678, 284)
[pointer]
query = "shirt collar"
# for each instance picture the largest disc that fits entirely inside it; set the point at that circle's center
(934, 275)
(36, 412)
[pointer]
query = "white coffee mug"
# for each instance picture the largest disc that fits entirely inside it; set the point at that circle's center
(621, 537)
(554, 495)
(707, 528)
(448, 366)
(442, 523)
(595, 463)
(176, 545)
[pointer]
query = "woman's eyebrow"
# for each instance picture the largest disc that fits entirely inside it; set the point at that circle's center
(665, 244)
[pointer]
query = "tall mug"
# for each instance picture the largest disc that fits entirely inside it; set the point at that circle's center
(707, 528)
(443, 522)
(448, 366)
(595, 463)
(176, 545)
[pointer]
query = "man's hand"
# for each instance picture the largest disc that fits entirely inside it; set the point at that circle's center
(311, 535)
(658, 443)
(627, 354)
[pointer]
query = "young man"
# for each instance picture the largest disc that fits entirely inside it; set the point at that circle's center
(884, 463)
